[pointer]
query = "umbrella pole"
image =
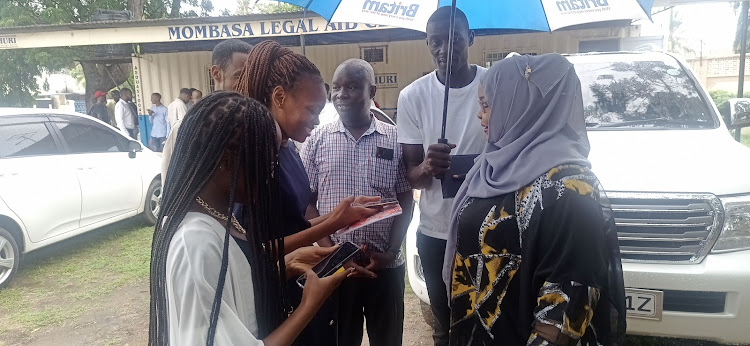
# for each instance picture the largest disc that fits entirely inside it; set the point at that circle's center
(743, 53)
(449, 71)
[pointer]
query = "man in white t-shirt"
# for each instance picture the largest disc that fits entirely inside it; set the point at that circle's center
(420, 110)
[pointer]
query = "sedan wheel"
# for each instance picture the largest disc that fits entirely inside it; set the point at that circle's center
(153, 202)
(9, 257)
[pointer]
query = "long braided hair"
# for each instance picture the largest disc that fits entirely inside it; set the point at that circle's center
(270, 65)
(224, 121)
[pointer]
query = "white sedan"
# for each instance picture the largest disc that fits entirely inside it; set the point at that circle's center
(63, 174)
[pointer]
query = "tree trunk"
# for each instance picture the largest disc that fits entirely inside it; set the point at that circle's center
(175, 12)
(98, 78)
(136, 7)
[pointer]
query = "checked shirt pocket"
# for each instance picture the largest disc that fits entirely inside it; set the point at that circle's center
(383, 173)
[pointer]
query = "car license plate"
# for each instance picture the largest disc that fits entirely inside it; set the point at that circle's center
(644, 304)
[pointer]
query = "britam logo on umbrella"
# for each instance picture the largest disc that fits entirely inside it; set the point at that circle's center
(390, 9)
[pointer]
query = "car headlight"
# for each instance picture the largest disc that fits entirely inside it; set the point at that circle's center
(736, 233)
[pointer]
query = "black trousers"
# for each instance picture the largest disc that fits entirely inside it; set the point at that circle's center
(380, 301)
(321, 331)
(432, 252)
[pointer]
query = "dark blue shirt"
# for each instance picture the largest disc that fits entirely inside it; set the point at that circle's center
(295, 192)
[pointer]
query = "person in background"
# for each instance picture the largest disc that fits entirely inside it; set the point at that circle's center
(160, 129)
(534, 215)
(360, 155)
(420, 110)
(99, 109)
(124, 115)
(178, 107)
(189, 104)
(134, 108)
(196, 95)
(328, 114)
(227, 61)
(213, 281)
(111, 106)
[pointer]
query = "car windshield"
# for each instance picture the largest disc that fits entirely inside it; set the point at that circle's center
(641, 94)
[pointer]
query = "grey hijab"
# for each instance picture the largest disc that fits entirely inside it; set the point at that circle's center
(536, 123)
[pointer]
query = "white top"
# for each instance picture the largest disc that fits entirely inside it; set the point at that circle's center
(420, 117)
(166, 153)
(176, 111)
(124, 117)
(193, 265)
(329, 114)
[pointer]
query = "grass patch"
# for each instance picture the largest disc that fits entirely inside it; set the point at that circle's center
(746, 137)
(57, 283)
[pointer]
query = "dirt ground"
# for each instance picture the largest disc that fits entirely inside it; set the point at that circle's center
(121, 318)
(93, 290)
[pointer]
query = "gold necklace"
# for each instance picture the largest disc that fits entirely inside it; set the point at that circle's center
(215, 213)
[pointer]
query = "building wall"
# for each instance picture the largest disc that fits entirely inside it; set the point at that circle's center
(720, 73)
(167, 73)
(405, 61)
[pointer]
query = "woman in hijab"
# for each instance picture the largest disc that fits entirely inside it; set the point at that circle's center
(536, 258)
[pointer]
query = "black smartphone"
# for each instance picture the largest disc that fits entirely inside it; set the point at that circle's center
(460, 165)
(333, 262)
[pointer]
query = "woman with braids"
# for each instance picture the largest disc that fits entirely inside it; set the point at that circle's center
(293, 90)
(212, 279)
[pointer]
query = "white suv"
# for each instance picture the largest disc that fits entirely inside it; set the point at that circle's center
(680, 190)
(62, 174)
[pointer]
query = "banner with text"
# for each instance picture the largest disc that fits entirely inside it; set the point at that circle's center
(176, 33)
(564, 13)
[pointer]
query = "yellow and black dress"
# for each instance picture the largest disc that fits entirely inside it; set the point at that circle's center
(548, 254)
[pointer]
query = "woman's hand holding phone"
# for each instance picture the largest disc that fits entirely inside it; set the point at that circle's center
(317, 290)
(350, 211)
(299, 261)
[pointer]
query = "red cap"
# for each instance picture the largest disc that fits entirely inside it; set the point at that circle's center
(99, 94)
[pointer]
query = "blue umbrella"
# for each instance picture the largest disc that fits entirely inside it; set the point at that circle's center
(531, 15)
(534, 15)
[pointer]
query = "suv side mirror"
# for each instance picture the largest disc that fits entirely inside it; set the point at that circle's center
(134, 147)
(740, 114)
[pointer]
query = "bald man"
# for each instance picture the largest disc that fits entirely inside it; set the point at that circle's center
(358, 155)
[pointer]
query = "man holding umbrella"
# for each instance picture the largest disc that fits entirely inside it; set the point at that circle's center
(420, 109)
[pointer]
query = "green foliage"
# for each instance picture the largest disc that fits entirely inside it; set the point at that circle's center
(245, 7)
(18, 86)
(77, 74)
(675, 42)
(721, 96)
(738, 31)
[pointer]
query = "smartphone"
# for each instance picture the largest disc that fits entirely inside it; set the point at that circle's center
(333, 262)
(381, 203)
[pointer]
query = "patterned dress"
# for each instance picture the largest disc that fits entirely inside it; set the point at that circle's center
(546, 254)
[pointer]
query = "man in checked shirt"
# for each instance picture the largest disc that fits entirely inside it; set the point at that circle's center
(360, 155)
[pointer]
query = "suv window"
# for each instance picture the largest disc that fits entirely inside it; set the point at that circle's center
(30, 139)
(641, 94)
(90, 139)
